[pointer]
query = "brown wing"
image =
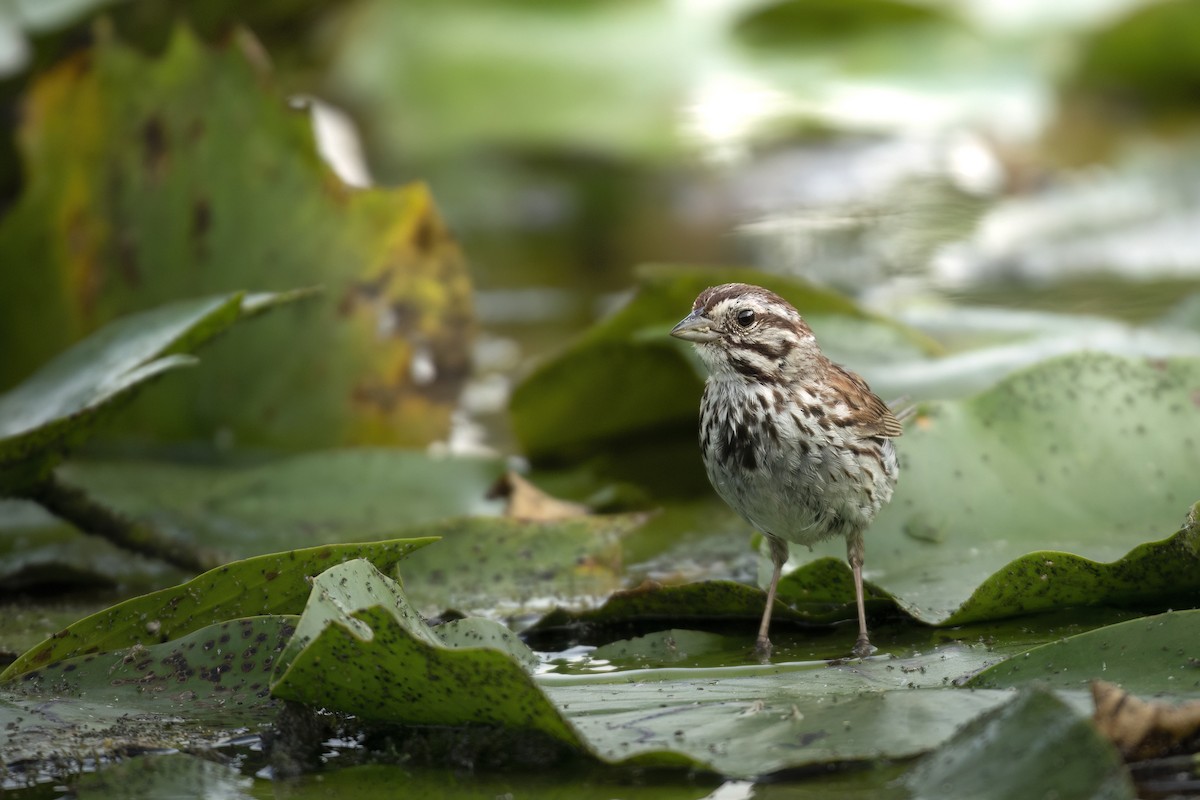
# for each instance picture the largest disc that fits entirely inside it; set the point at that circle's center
(868, 415)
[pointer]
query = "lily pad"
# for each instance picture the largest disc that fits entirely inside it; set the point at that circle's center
(711, 604)
(313, 498)
(272, 584)
(1148, 656)
(39, 551)
(506, 566)
(361, 648)
(1089, 454)
(59, 405)
(191, 176)
(1136, 62)
(179, 694)
(1034, 746)
(752, 721)
(1153, 575)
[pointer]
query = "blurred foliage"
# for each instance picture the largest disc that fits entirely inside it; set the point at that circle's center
(1061, 755)
(788, 23)
(153, 180)
(57, 408)
(1144, 63)
(1151, 655)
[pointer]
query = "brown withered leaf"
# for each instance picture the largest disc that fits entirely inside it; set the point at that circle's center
(1142, 729)
(528, 502)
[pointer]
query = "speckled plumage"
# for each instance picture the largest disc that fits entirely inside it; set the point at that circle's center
(796, 444)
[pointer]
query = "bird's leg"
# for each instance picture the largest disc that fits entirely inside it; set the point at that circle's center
(779, 556)
(855, 550)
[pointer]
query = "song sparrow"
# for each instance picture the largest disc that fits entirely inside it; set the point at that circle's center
(796, 444)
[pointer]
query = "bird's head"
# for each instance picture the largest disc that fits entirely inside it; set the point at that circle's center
(747, 331)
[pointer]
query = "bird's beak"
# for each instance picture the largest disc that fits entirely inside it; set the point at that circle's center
(695, 327)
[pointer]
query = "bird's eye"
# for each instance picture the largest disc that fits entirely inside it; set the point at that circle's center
(745, 318)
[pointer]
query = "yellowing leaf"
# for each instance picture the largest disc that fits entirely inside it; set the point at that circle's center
(150, 180)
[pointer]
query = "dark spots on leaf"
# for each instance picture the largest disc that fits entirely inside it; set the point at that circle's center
(224, 638)
(195, 130)
(127, 258)
(154, 147)
(201, 223)
(427, 234)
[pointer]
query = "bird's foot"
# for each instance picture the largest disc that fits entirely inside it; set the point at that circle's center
(863, 648)
(762, 649)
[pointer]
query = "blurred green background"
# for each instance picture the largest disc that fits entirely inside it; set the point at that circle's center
(926, 158)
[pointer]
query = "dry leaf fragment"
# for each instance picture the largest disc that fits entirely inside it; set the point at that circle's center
(1142, 729)
(527, 502)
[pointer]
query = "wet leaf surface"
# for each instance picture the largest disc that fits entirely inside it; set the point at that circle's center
(323, 496)
(316, 498)
(361, 648)
(1033, 746)
(1151, 656)
(271, 584)
(184, 693)
(59, 405)
(505, 567)
(1057, 455)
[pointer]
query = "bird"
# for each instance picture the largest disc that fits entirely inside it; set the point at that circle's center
(797, 445)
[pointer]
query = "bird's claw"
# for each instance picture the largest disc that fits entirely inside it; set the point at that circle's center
(863, 648)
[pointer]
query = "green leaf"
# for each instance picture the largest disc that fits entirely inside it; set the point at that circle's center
(1148, 656)
(814, 23)
(662, 648)
(180, 694)
(38, 550)
(361, 648)
(714, 603)
(1034, 746)
(488, 565)
(751, 721)
(1087, 454)
(153, 179)
(329, 496)
(59, 405)
(1138, 62)
(462, 74)
(568, 408)
(821, 591)
(271, 584)
(352, 494)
